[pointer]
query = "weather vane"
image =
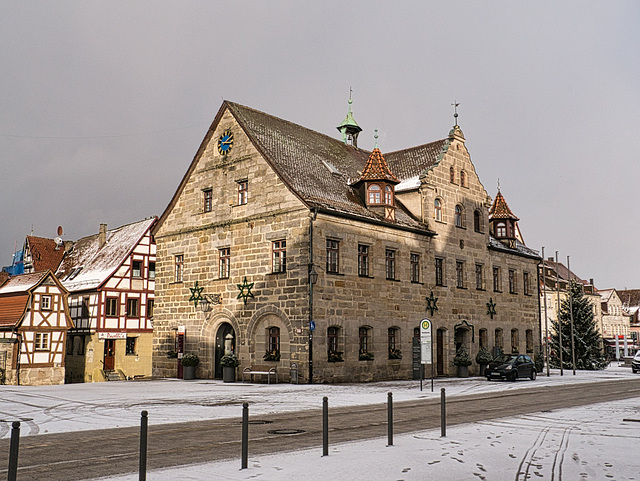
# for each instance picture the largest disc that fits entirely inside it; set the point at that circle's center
(455, 110)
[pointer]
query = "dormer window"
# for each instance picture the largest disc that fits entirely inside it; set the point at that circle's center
(501, 230)
(388, 195)
(375, 194)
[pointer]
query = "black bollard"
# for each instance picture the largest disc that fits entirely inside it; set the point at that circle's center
(443, 414)
(245, 435)
(13, 451)
(144, 427)
(325, 426)
(389, 419)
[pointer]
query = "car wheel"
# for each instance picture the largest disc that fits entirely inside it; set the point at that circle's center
(514, 376)
(533, 375)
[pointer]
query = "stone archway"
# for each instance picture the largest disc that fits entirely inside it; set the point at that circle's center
(258, 335)
(225, 344)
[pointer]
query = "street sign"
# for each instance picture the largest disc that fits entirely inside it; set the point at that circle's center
(425, 341)
(312, 325)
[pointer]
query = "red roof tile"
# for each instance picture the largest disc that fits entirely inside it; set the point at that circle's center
(500, 209)
(12, 308)
(45, 255)
(376, 168)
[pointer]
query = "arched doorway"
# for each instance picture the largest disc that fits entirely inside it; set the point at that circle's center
(225, 344)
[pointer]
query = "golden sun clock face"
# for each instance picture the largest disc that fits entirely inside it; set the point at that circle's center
(225, 142)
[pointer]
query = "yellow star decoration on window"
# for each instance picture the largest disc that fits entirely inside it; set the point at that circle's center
(196, 294)
(245, 290)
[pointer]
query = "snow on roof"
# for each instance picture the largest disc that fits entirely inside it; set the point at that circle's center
(22, 282)
(409, 184)
(88, 265)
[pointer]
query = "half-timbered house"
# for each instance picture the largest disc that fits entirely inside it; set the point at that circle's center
(110, 277)
(34, 320)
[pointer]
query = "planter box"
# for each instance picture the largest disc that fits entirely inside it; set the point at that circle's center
(463, 371)
(188, 372)
(228, 374)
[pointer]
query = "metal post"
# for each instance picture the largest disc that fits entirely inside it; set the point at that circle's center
(389, 419)
(573, 347)
(546, 319)
(443, 414)
(144, 424)
(558, 316)
(13, 451)
(325, 426)
(245, 435)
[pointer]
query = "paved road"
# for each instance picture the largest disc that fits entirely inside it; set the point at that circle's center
(91, 454)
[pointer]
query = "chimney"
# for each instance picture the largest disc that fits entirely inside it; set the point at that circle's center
(102, 236)
(591, 281)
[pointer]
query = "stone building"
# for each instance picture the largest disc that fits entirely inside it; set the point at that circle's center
(288, 246)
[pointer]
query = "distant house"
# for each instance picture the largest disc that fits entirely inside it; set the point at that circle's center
(41, 254)
(631, 301)
(110, 277)
(34, 321)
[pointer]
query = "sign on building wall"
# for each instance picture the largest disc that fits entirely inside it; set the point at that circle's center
(112, 335)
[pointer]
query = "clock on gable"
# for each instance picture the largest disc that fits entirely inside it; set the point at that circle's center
(225, 142)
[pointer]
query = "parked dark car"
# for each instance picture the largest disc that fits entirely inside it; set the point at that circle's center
(510, 367)
(635, 363)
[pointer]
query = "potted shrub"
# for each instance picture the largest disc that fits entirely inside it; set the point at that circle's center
(462, 361)
(395, 353)
(335, 356)
(189, 362)
(483, 358)
(229, 362)
(366, 356)
(273, 355)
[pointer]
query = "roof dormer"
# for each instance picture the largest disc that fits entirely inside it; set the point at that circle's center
(503, 222)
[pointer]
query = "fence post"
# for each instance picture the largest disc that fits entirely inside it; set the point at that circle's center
(144, 426)
(245, 435)
(443, 414)
(13, 451)
(325, 426)
(389, 419)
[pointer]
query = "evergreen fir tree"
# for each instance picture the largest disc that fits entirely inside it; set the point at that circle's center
(588, 341)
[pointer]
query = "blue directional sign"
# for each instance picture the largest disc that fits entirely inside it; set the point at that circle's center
(312, 326)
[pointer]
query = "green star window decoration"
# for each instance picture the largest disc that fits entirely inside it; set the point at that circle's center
(431, 303)
(245, 290)
(196, 294)
(491, 308)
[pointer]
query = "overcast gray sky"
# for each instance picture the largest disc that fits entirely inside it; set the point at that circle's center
(104, 104)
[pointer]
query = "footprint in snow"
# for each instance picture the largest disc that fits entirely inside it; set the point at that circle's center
(481, 467)
(479, 475)
(511, 455)
(434, 462)
(406, 470)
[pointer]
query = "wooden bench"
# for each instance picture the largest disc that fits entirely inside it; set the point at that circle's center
(269, 373)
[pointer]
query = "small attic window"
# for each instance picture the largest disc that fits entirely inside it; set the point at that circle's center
(388, 195)
(75, 272)
(331, 168)
(375, 194)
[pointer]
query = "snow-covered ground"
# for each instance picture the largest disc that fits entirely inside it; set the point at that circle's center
(592, 442)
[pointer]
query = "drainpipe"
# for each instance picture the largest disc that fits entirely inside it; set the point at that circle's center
(19, 338)
(313, 277)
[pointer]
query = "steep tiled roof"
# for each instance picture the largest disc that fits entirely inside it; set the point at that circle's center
(376, 168)
(22, 283)
(45, 254)
(500, 209)
(88, 265)
(630, 297)
(416, 161)
(316, 167)
(12, 308)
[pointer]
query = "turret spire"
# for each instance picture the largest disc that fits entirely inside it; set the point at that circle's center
(349, 128)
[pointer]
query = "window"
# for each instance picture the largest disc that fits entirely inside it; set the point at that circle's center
(243, 192)
(529, 340)
(133, 307)
(152, 270)
(274, 341)
(333, 251)
(388, 195)
(279, 249)
(208, 200)
(460, 274)
(364, 335)
(136, 269)
(439, 271)
(437, 210)
(179, 263)
(525, 283)
(132, 346)
(393, 337)
(112, 307)
(363, 260)
(415, 267)
(479, 277)
(483, 339)
(452, 175)
(501, 229)
(515, 341)
(375, 194)
(512, 282)
(458, 216)
(332, 339)
(150, 306)
(45, 303)
(498, 341)
(225, 262)
(477, 221)
(390, 263)
(42, 341)
(85, 307)
(496, 279)
(463, 178)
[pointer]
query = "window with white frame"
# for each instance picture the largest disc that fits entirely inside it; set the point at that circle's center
(45, 303)
(42, 341)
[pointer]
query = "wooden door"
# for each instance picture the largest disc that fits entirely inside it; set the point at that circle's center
(109, 354)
